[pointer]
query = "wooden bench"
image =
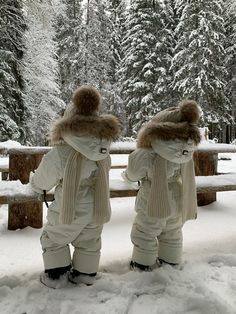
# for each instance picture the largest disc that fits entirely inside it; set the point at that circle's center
(25, 209)
(14, 192)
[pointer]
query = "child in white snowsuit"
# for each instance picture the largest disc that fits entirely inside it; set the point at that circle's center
(78, 167)
(163, 164)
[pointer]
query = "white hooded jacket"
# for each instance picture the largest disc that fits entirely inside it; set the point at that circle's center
(51, 171)
(140, 168)
(163, 163)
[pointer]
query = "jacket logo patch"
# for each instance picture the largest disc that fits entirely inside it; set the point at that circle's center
(103, 150)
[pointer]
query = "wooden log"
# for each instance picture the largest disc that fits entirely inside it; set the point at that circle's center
(27, 213)
(123, 193)
(118, 167)
(21, 215)
(205, 165)
(20, 165)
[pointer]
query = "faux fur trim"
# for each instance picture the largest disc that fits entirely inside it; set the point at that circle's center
(187, 110)
(103, 126)
(173, 123)
(167, 131)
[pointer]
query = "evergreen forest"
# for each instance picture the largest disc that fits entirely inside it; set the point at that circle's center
(142, 55)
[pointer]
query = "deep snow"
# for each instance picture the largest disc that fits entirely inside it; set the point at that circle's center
(206, 284)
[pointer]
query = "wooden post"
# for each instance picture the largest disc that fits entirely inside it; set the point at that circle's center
(205, 165)
(21, 215)
(24, 214)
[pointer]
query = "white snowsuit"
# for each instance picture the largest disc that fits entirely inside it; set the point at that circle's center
(167, 196)
(147, 230)
(91, 136)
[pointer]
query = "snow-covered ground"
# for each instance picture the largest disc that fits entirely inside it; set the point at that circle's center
(206, 284)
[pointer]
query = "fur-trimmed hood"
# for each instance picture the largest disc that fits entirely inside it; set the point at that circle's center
(100, 126)
(170, 124)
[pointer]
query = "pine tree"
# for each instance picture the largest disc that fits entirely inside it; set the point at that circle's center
(70, 36)
(41, 70)
(171, 20)
(83, 37)
(13, 113)
(115, 12)
(96, 45)
(147, 54)
(199, 57)
(230, 58)
(166, 43)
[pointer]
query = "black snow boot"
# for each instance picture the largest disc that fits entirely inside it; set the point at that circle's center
(55, 278)
(162, 262)
(55, 273)
(140, 267)
(77, 277)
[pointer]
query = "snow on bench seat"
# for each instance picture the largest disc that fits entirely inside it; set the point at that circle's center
(120, 188)
(217, 183)
(119, 161)
(15, 191)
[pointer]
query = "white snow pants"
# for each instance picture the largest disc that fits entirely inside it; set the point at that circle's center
(86, 240)
(161, 238)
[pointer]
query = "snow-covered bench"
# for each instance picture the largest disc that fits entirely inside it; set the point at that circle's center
(15, 192)
(25, 209)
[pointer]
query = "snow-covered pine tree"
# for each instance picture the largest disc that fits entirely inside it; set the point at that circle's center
(97, 54)
(166, 43)
(83, 36)
(115, 12)
(199, 58)
(41, 70)
(147, 53)
(13, 113)
(230, 59)
(70, 34)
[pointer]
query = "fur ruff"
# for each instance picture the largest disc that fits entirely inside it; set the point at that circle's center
(187, 110)
(172, 123)
(103, 126)
(167, 131)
